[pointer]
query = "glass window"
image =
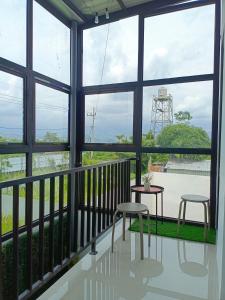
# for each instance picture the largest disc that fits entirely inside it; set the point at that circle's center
(179, 43)
(109, 118)
(12, 166)
(48, 162)
(52, 108)
(93, 158)
(11, 108)
(51, 45)
(178, 115)
(179, 174)
(111, 52)
(13, 30)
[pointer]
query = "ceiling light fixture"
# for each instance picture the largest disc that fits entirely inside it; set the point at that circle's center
(96, 18)
(106, 13)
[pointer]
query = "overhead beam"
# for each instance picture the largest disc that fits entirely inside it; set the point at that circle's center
(148, 9)
(121, 4)
(76, 10)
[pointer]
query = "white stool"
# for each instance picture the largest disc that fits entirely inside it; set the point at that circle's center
(195, 199)
(132, 208)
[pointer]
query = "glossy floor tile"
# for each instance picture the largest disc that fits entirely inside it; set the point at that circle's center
(172, 269)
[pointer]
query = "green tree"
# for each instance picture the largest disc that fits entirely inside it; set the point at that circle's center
(148, 140)
(183, 116)
(183, 136)
(51, 137)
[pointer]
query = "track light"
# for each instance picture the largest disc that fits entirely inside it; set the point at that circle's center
(106, 13)
(96, 18)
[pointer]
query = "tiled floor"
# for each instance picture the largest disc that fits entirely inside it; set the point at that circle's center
(172, 269)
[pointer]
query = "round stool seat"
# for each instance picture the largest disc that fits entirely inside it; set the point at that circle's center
(132, 207)
(194, 198)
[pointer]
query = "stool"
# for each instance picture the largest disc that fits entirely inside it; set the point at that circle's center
(195, 199)
(132, 208)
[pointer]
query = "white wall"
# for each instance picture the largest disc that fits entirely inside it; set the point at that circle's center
(221, 219)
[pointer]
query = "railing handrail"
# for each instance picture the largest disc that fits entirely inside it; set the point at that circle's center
(25, 180)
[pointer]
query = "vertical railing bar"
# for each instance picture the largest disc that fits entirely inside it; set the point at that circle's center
(108, 194)
(61, 201)
(126, 182)
(76, 206)
(51, 224)
(83, 198)
(99, 199)
(29, 218)
(112, 193)
(104, 197)
(69, 237)
(41, 227)
(122, 182)
(119, 183)
(116, 187)
(129, 178)
(15, 272)
(125, 178)
(89, 205)
(94, 203)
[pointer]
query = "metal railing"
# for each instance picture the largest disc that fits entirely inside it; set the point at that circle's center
(80, 206)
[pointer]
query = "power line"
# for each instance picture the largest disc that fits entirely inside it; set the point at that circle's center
(93, 114)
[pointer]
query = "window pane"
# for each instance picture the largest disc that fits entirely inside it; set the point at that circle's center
(48, 162)
(97, 157)
(178, 115)
(12, 166)
(179, 43)
(109, 118)
(51, 45)
(179, 174)
(11, 108)
(13, 30)
(111, 52)
(51, 115)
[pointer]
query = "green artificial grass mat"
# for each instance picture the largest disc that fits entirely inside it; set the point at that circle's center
(169, 229)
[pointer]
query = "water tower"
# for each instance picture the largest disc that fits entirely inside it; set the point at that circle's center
(162, 111)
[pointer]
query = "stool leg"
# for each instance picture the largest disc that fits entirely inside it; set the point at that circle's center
(149, 230)
(179, 216)
(205, 222)
(124, 225)
(184, 212)
(113, 228)
(141, 236)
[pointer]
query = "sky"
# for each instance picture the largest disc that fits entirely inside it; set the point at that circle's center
(51, 45)
(176, 44)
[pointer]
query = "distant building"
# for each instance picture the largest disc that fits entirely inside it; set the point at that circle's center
(201, 167)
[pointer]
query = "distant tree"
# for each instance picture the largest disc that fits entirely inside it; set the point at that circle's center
(183, 136)
(51, 137)
(2, 139)
(183, 116)
(122, 139)
(148, 139)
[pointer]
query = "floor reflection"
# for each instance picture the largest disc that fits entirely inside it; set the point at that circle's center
(171, 269)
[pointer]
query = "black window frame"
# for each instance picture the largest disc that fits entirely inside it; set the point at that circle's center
(144, 11)
(30, 77)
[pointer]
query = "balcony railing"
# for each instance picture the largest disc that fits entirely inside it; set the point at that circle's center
(75, 207)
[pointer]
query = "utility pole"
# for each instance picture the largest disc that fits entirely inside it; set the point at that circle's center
(92, 130)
